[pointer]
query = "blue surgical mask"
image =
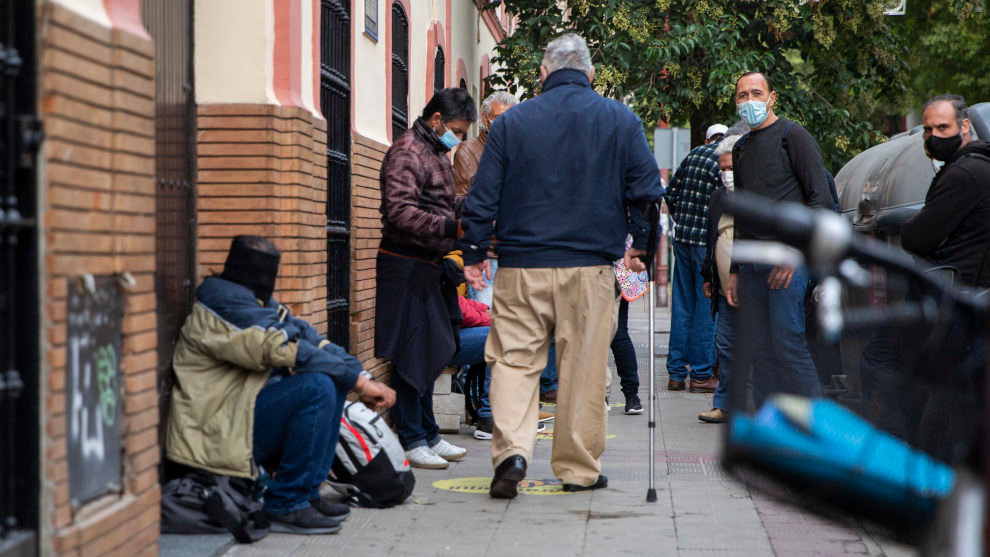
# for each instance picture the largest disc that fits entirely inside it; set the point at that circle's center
(753, 112)
(449, 139)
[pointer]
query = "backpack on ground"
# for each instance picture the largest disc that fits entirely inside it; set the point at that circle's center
(369, 464)
(204, 503)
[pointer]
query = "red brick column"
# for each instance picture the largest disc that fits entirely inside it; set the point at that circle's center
(366, 233)
(262, 170)
(98, 193)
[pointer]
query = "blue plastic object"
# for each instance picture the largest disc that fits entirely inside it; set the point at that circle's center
(828, 447)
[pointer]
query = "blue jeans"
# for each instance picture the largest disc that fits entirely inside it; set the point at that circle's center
(484, 295)
(472, 353)
(774, 323)
(413, 415)
(625, 353)
(548, 379)
(692, 333)
(725, 342)
(297, 421)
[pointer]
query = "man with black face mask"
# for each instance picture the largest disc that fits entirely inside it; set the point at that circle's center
(255, 385)
(953, 228)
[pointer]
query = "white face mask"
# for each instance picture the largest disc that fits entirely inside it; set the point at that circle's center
(727, 180)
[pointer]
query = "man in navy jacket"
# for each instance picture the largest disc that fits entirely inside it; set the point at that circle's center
(565, 177)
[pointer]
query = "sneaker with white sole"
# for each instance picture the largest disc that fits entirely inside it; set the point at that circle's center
(446, 451)
(540, 427)
(484, 430)
(423, 457)
(633, 404)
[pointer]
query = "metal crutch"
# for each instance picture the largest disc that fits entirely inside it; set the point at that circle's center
(653, 215)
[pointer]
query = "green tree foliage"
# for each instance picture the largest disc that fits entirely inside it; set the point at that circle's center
(831, 61)
(949, 42)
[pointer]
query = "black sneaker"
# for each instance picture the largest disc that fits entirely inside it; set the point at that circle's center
(336, 511)
(305, 521)
(484, 429)
(633, 405)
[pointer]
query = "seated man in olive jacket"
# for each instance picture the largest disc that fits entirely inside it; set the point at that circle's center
(253, 384)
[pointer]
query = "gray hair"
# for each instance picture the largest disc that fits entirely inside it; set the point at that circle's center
(958, 105)
(739, 128)
(503, 98)
(726, 145)
(567, 51)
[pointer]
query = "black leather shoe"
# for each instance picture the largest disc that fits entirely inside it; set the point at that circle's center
(507, 475)
(602, 482)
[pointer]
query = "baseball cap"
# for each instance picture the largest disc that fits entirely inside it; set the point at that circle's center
(715, 129)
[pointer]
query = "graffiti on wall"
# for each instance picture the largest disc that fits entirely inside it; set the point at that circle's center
(93, 388)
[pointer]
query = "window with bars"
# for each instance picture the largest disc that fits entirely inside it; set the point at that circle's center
(335, 102)
(400, 71)
(438, 71)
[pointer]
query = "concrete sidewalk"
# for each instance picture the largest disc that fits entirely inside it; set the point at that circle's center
(700, 512)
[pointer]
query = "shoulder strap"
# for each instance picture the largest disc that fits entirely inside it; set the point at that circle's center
(218, 511)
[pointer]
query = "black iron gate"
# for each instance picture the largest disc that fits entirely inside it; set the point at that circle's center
(439, 75)
(170, 26)
(400, 71)
(19, 429)
(335, 102)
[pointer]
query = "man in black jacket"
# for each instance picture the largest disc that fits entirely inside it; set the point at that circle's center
(557, 176)
(953, 228)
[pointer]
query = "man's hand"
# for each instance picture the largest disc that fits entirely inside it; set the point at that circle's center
(780, 277)
(732, 291)
(374, 394)
(476, 274)
(634, 261)
(707, 288)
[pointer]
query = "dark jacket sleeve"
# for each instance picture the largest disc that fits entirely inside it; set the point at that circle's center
(482, 204)
(643, 186)
(948, 201)
(806, 162)
(402, 186)
(709, 262)
(317, 354)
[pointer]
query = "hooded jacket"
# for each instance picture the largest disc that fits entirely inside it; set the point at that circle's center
(226, 352)
(953, 228)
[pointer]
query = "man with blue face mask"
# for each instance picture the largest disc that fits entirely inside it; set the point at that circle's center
(417, 314)
(779, 160)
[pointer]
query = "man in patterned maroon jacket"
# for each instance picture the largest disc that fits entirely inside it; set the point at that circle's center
(416, 311)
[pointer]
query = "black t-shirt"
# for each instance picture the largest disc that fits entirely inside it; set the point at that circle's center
(780, 168)
(953, 228)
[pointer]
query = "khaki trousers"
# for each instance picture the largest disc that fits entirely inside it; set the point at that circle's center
(578, 307)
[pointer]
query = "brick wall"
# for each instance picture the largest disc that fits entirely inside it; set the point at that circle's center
(98, 192)
(366, 233)
(262, 170)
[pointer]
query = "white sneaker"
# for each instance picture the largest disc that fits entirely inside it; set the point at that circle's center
(540, 427)
(445, 450)
(423, 457)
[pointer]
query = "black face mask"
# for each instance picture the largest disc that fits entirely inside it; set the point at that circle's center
(942, 148)
(252, 267)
